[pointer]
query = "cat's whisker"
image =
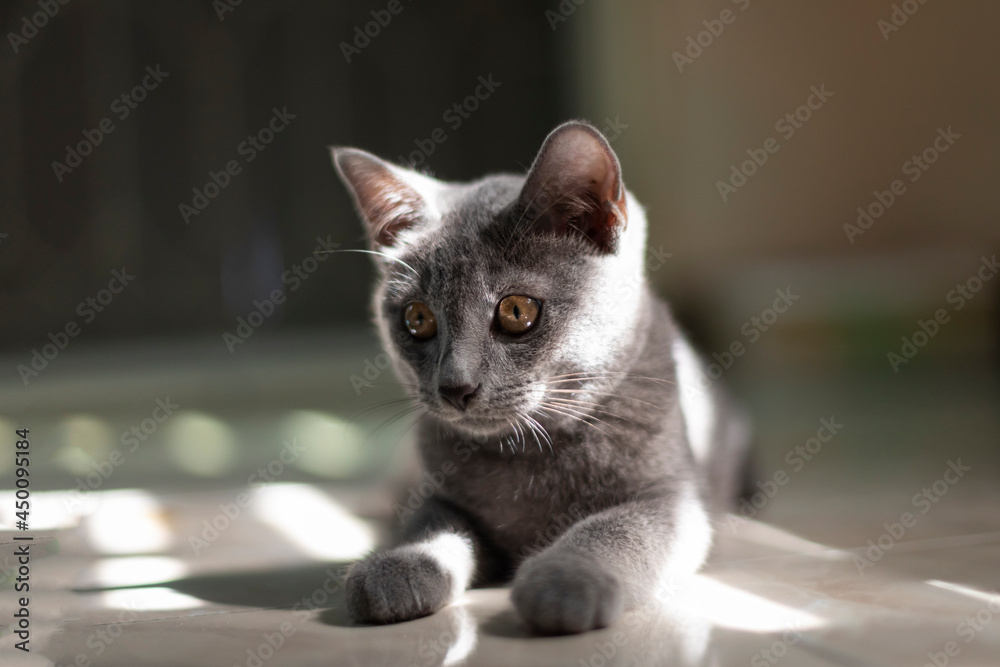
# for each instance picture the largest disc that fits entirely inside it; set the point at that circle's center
(577, 417)
(542, 429)
(587, 405)
(382, 404)
(552, 412)
(579, 411)
(514, 439)
(534, 434)
(413, 422)
(578, 401)
(604, 375)
(387, 385)
(537, 428)
(605, 372)
(371, 252)
(604, 393)
(530, 430)
(513, 428)
(392, 420)
(520, 433)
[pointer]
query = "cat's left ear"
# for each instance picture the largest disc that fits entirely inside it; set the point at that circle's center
(575, 186)
(390, 199)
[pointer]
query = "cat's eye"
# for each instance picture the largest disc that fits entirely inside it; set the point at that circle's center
(420, 321)
(516, 314)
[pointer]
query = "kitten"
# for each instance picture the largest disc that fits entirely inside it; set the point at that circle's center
(577, 444)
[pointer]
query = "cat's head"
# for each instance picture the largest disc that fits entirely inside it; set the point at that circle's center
(492, 293)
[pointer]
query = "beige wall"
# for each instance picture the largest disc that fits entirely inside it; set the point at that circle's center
(942, 68)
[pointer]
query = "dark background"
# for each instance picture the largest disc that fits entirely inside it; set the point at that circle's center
(120, 207)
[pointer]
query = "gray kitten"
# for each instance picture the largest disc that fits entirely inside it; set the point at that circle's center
(575, 440)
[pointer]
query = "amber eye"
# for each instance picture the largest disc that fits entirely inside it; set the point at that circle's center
(516, 314)
(420, 321)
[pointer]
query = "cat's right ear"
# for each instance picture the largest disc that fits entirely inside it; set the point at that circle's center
(390, 199)
(575, 187)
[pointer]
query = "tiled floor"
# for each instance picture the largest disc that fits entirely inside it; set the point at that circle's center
(264, 589)
(166, 563)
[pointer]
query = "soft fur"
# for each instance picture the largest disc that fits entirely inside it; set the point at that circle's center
(572, 468)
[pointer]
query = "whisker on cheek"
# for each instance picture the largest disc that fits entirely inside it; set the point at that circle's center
(583, 420)
(605, 393)
(587, 405)
(380, 405)
(537, 429)
(605, 375)
(372, 252)
(392, 420)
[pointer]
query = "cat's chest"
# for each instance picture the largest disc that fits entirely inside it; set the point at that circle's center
(525, 502)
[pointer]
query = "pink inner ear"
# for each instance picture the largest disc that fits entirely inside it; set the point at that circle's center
(393, 208)
(578, 172)
(387, 203)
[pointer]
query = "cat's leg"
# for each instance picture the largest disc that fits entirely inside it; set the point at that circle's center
(611, 561)
(435, 560)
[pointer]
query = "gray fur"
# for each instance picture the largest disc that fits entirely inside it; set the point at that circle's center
(396, 585)
(592, 522)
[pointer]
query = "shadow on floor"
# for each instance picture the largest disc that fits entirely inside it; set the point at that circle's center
(305, 587)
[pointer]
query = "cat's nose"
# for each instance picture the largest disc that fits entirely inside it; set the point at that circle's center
(459, 395)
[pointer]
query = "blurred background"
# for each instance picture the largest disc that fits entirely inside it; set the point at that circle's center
(820, 181)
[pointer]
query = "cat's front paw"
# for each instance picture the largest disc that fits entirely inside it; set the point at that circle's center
(564, 593)
(396, 585)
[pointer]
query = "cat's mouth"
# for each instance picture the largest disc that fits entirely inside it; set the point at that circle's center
(480, 420)
(477, 423)
(487, 415)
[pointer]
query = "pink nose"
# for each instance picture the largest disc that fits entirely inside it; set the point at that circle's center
(460, 395)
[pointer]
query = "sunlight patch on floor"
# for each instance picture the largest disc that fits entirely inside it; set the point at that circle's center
(130, 521)
(136, 571)
(730, 607)
(149, 599)
(318, 525)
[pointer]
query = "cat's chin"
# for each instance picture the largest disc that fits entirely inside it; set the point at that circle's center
(475, 426)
